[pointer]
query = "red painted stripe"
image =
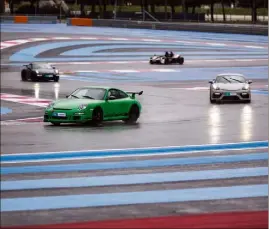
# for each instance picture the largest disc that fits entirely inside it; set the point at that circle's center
(35, 101)
(239, 220)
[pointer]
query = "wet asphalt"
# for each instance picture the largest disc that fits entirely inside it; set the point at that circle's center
(170, 116)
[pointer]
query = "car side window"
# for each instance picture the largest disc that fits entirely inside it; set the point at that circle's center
(115, 93)
(122, 95)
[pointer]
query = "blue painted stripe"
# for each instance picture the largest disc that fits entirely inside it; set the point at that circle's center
(136, 152)
(5, 110)
(134, 164)
(260, 92)
(146, 197)
(133, 179)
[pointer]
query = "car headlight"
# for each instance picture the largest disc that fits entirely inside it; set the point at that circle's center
(82, 106)
(36, 71)
(56, 71)
(50, 105)
(246, 87)
(215, 87)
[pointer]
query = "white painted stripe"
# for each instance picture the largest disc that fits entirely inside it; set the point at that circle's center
(39, 39)
(124, 71)
(244, 60)
(216, 44)
(252, 46)
(164, 70)
(215, 60)
(7, 44)
(118, 39)
(119, 62)
(154, 40)
(87, 71)
(19, 41)
(187, 42)
(88, 38)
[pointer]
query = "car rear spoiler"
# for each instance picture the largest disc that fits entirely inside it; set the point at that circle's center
(135, 93)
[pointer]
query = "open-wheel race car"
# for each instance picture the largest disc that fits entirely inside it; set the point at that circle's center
(167, 58)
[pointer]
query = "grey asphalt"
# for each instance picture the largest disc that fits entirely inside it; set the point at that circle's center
(170, 116)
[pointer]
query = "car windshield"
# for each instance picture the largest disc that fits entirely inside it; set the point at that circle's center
(41, 65)
(89, 93)
(230, 79)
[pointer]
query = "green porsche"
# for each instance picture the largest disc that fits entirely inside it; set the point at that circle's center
(94, 105)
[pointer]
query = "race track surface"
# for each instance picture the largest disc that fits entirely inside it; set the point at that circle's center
(209, 157)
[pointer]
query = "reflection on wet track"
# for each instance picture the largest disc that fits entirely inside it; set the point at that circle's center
(214, 118)
(209, 157)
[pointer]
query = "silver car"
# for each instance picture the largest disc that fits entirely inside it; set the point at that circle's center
(230, 87)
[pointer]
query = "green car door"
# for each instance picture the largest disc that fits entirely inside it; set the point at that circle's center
(117, 104)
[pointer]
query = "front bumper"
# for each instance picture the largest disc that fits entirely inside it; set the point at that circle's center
(67, 116)
(47, 76)
(240, 95)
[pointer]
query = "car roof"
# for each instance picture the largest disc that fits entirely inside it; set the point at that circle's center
(230, 74)
(98, 87)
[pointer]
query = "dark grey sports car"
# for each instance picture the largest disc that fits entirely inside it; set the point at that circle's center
(40, 71)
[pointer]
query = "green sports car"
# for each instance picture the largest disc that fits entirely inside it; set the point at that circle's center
(94, 104)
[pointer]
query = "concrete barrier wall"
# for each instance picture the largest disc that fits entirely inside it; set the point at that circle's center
(181, 26)
(29, 19)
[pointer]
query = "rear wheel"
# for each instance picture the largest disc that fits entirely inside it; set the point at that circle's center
(133, 115)
(97, 116)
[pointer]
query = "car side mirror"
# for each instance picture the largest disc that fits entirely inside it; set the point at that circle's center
(249, 81)
(66, 96)
(53, 67)
(211, 81)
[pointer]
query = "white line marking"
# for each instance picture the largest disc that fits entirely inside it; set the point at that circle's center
(39, 39)
(118, 39)
(124, 71)
(86, 71)
(87, 38)
(164, 70)
(154, 40)
(216, 44)
(252, 46)
(20, 41)
(119, 62)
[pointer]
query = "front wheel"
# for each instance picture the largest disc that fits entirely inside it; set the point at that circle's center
(23, 75)
(180, 60)
(56, 78)
(97, 116)
(133, 115)
(56, 123)
(33, 77)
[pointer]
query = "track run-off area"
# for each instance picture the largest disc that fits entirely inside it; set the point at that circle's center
(187, 163)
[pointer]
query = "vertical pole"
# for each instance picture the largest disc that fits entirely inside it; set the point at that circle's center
(165, 9)
(143, 4)
(115, 9)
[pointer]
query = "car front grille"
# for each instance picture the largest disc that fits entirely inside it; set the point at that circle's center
(231, 98)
